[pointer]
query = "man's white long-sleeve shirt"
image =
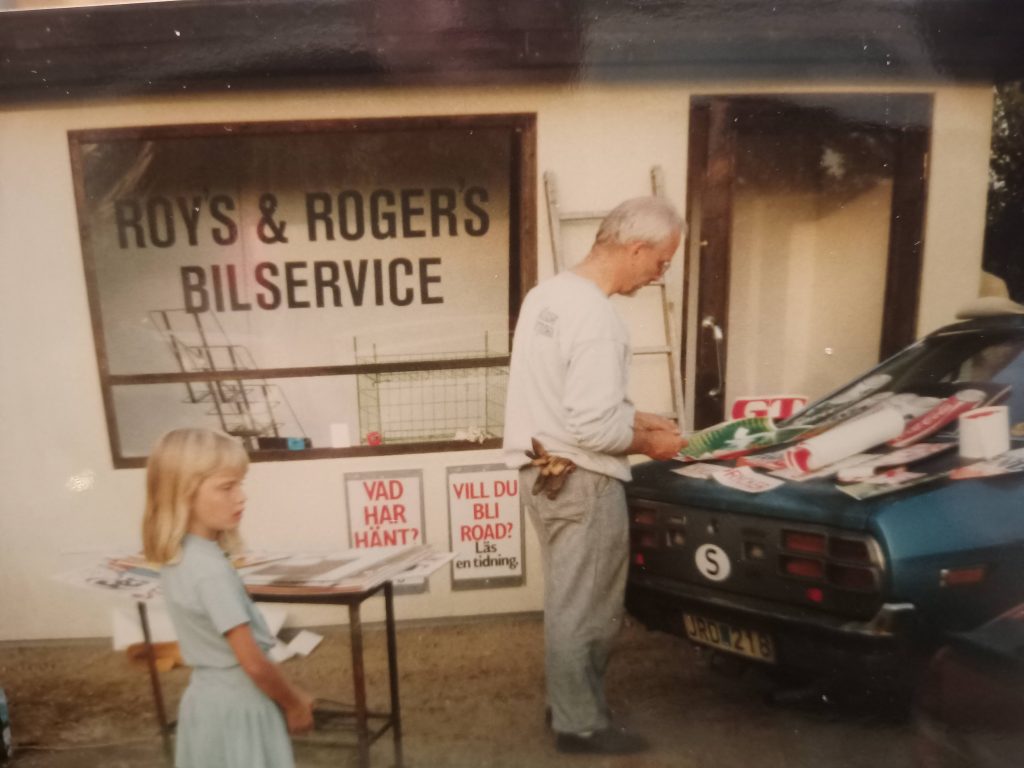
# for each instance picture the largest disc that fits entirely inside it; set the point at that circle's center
(569, 377)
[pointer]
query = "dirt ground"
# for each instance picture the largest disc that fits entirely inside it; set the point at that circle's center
(471, 694)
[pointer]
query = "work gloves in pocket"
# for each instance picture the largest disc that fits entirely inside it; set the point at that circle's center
(553, 470)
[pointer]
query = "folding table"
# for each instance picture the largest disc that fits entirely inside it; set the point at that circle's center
(366, 734)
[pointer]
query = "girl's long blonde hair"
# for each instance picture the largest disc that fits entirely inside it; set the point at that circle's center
(180, 461)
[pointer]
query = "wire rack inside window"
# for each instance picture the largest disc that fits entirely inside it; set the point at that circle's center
(248, 407)
(431, 405)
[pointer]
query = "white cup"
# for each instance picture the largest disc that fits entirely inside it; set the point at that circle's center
(984, 432)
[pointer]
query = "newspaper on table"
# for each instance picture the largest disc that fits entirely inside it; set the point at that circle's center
(138, 562)
(349, 570)
(344, 571)
(417, 573)
(140, 584)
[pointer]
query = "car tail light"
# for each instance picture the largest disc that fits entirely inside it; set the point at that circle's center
(647, 540)
(641, 516)
(855, 550)
(803, 568)
(842, 562)
(644, 533)
(801, 541)
(852, 577)
(958, 577)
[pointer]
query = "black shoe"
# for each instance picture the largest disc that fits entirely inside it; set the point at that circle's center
(608, 741)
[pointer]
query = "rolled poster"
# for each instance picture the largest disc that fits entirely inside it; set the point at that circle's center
(845, 439)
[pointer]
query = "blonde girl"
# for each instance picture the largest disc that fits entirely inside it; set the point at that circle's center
(238, 708)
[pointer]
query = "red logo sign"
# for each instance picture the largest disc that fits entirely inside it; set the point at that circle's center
(779, 407)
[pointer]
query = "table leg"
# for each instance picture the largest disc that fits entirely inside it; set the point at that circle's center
(154, 676)
(396, 711)
(355, 628)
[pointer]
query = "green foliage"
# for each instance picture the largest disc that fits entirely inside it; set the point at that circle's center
(1004, 236)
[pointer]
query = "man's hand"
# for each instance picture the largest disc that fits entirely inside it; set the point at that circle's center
(660, 444)
(655, 436)
(553, 470)
(652, 421)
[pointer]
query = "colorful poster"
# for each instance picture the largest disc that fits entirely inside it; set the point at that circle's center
(486, 524)
(935, 419)
(385, 509)
(731, 439)
(865, 470)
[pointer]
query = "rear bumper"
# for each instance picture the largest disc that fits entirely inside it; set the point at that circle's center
(804, 639)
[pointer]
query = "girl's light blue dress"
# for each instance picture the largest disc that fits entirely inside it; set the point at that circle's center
(224, 720)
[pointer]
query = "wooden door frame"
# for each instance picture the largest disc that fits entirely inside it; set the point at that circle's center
(714, 189)
(711, 175)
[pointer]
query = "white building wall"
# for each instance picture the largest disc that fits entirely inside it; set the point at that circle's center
(62, 498)
(957, 191)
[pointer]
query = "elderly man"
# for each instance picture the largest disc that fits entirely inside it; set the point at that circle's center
(568, 411)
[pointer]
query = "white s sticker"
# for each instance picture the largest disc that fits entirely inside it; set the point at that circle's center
(712, 562)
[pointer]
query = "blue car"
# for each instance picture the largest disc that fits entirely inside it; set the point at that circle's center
(806, 577)
(970, 704)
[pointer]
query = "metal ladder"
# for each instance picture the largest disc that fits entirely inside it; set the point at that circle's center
(557, 217)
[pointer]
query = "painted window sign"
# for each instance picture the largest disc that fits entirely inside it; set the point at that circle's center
(309, 287)
(486, 525)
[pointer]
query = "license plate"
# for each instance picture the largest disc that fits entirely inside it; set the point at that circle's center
(725, 637)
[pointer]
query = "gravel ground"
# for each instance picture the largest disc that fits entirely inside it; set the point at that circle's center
(472, 695)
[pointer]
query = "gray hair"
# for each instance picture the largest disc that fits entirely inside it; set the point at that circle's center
(644, 219)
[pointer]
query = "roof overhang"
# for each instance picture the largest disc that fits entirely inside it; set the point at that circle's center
(142, 48)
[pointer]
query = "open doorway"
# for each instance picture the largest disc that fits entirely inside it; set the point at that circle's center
(806, 232)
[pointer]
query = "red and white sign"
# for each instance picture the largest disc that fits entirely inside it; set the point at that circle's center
(779, 407)
(385, 509)
(486, 524)
(942, 414)
(746, 479)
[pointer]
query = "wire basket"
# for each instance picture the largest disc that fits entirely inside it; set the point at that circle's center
(431, 405)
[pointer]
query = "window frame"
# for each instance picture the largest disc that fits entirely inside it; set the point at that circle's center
(522, 268)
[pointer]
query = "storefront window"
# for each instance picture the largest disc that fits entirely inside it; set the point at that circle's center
(318, 288)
